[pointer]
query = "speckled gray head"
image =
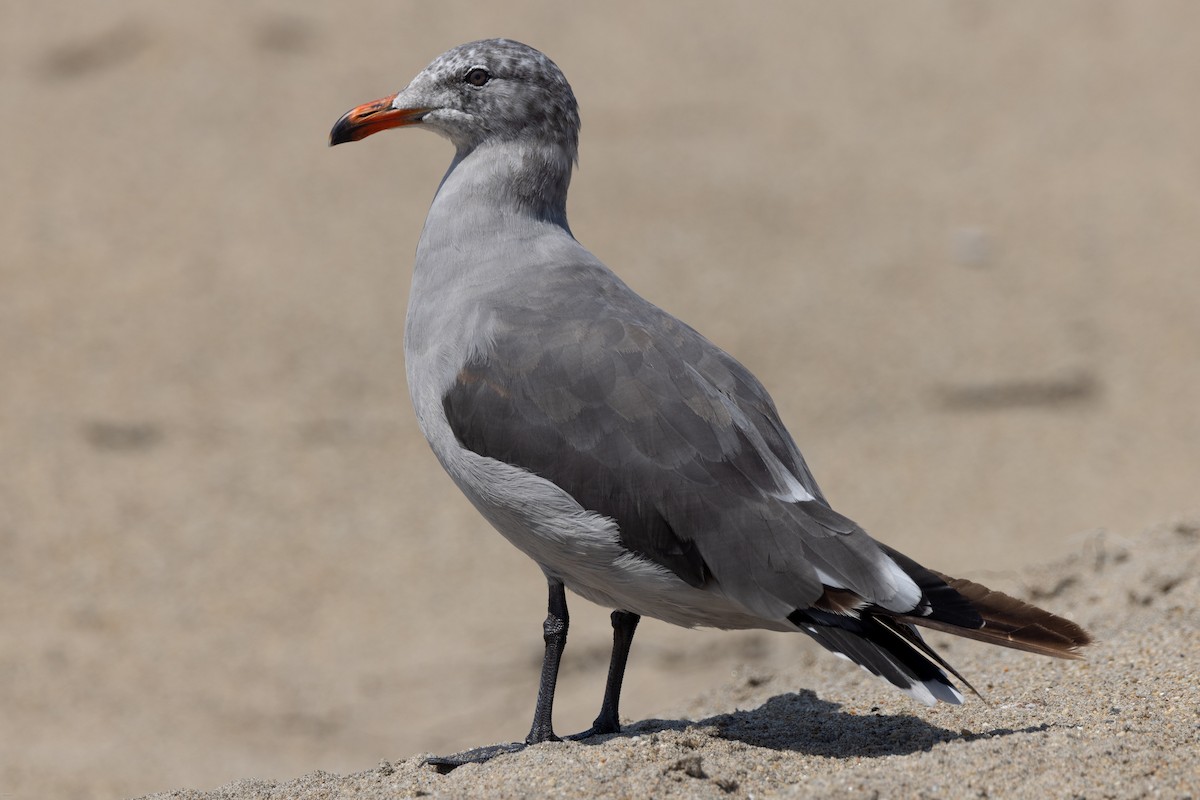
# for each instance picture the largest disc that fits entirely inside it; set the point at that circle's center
(489, 90)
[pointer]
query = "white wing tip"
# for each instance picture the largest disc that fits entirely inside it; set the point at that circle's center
(930, 692)
(906, 595)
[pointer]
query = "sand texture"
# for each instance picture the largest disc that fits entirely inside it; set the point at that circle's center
(956, 240)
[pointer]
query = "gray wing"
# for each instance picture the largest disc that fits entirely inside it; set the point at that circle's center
(643, 420)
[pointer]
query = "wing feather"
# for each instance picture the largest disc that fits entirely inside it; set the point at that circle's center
(642, 420)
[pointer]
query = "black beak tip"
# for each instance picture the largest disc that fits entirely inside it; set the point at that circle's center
(342, 132)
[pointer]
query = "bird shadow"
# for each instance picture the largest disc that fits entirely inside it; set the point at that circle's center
(799, 722)
(804, 723)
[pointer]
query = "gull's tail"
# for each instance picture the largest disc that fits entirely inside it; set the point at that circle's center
(887, 644)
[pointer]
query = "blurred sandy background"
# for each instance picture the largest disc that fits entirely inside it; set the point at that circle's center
(958, 241)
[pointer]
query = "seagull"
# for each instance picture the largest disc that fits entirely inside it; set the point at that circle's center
(637, 463)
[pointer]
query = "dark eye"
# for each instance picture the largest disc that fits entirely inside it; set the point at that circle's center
(478, 76)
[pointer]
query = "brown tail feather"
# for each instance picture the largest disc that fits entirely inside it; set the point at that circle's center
(1012, 623)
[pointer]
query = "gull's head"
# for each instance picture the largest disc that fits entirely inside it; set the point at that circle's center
(486, 91)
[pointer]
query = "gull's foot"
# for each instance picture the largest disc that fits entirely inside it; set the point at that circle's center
(599, 728)
(477, 755)
(579, 737)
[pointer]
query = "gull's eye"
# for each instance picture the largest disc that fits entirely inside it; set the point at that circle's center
(477, 76)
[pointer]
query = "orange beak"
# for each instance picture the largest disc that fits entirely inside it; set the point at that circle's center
(378, 115)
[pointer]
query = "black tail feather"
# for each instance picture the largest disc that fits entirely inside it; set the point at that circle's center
(887, 648)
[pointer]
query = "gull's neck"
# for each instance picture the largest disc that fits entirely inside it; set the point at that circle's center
(503, 182)
(499, 218)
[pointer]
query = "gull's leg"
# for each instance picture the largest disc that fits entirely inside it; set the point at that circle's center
(554, 630)
(609, 721)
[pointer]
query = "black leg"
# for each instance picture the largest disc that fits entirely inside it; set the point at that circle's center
(624, 625)
(554, 631)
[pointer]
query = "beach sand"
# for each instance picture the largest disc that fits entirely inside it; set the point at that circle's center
(956, 241)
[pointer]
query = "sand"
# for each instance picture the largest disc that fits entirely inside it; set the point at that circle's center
(956, 240)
